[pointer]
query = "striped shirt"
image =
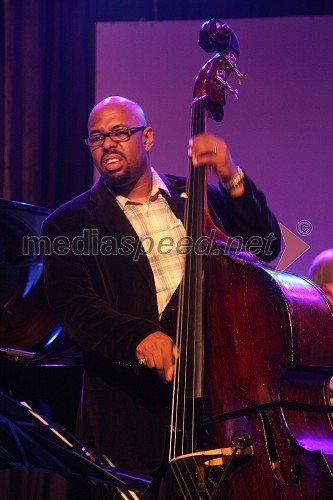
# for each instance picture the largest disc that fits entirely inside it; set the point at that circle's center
(159, 231)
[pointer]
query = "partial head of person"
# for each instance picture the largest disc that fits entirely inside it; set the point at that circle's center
(120, 140)
(321, 272)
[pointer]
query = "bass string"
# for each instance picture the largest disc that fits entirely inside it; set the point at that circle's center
(198, 189)
(185, 336)
(181, 329)
(192, 228)
(180, 384)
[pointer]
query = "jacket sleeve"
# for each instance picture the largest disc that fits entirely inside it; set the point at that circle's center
(248, 218)
(87, 315)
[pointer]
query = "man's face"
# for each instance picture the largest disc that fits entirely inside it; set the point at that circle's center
(122, 164)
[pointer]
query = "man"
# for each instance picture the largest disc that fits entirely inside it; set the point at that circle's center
(110, 299)
(321, 272)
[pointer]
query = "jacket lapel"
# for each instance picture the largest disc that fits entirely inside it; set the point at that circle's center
(176, 188)
(109, 215)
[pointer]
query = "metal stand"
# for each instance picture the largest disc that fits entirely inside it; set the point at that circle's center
(31, 441)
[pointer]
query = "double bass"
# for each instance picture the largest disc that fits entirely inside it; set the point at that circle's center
(250, 410)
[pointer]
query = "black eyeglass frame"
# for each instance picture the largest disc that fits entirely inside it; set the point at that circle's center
(113, 135)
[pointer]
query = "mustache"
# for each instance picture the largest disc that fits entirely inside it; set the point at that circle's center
(113, 150)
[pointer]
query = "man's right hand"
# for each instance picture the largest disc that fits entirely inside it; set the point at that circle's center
(158, 351)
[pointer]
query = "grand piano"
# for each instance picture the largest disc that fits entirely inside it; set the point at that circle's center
(38, 362)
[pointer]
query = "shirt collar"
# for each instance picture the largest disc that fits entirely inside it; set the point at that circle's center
(157, 185)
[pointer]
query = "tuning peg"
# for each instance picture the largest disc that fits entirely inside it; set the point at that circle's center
(223, 83)
(233, 66)
(240, 76)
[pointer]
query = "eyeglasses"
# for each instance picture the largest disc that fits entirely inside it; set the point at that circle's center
(117, 135)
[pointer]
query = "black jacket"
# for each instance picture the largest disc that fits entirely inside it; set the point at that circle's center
(105, 299)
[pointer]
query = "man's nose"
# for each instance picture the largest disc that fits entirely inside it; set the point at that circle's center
(109, 143)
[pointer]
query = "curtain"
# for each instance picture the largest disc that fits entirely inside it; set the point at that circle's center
(47, 92)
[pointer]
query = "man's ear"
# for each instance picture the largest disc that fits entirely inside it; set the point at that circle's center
(148, 138)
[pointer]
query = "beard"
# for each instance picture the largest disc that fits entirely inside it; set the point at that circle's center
(117, 180)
